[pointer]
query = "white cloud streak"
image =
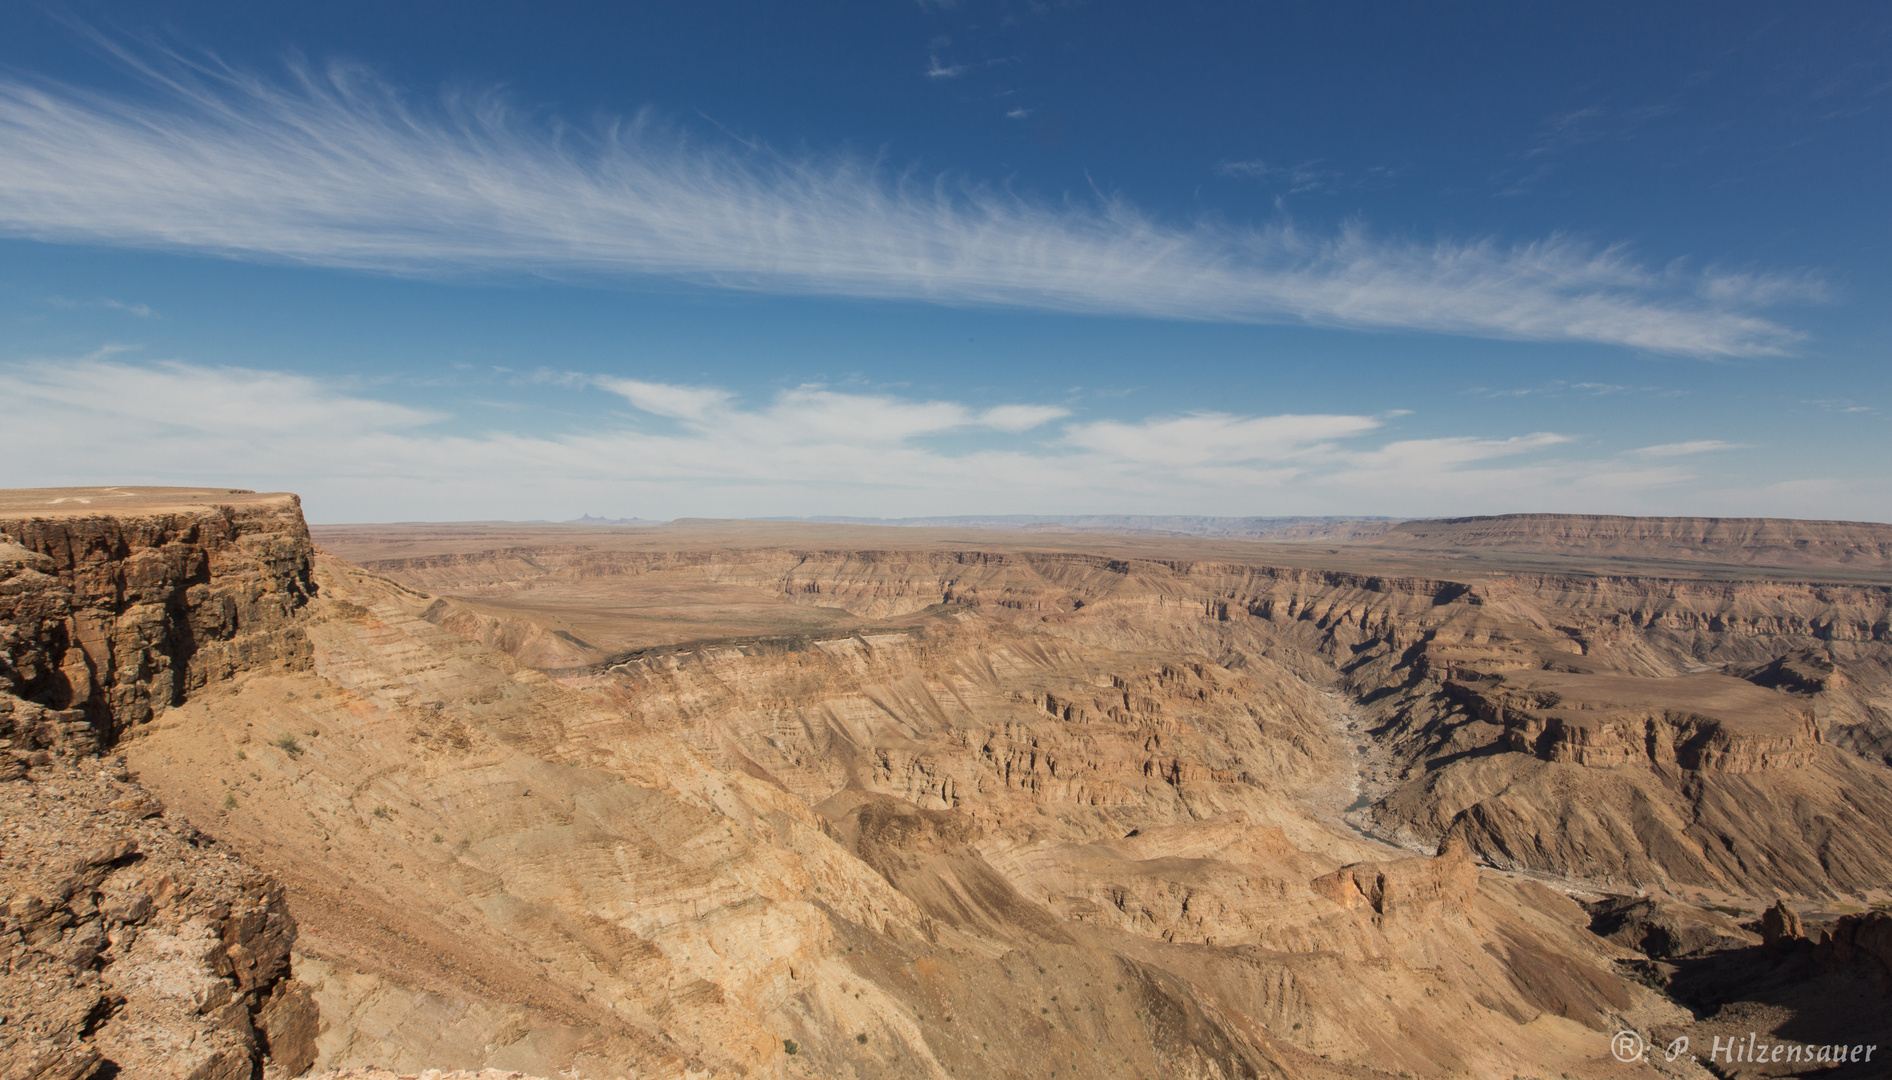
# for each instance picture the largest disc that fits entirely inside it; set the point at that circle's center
(334, 168)
(177, 397)
(1215, 438)
(1684, 449)
(702, 451)
(814, 413)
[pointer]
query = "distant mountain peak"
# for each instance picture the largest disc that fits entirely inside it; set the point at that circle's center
(589, 519)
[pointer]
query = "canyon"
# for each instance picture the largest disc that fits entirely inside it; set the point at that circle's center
(1455, 798)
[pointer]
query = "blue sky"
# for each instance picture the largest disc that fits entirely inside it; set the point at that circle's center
(446, 261)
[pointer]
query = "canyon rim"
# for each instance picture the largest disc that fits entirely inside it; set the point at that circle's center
(1456, 798)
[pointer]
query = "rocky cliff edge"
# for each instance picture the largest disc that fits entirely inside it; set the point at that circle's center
(131, 944)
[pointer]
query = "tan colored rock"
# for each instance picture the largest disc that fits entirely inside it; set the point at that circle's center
(1739, 541)
(1696, 722)
(1780, 925)
(118, 602)
(945, 806)
(1662, 929)
(425, 1074)
(1405, 887)
(289, 1023)
(123, 938)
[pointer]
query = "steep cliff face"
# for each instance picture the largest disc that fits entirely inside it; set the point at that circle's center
(108, 618)
(132, 945)
(1696, 722)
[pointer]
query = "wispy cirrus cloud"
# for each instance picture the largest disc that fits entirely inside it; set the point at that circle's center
(937, 70)
(176, 396)
(1733, 287)
(333, 167)
(1564, 388)
(1314, 175)
(1215, 438)
(142, 311)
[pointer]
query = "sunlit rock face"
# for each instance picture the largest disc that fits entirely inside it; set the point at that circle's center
(135, 945)
(118, 603)
(744, 800)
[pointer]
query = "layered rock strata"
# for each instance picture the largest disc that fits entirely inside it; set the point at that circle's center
(1697, 777)
(1696, 722)
(1741, 541)
(894, 812)
(107, 619)
(974, 844)
(134, 945)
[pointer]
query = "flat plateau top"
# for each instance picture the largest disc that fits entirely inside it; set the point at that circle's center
(88, 501)
(1588, 700)
(375, 545)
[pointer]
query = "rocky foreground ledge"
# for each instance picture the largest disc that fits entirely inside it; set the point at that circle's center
(131, 944)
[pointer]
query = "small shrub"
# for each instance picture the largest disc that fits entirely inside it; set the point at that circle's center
(790, 1047)
(383, 813)
(287, 744)
(229, 801)
(437, 840)
(241, 756)
(861, 1038)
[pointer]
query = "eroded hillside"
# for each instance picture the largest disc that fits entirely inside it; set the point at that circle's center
(780, 801)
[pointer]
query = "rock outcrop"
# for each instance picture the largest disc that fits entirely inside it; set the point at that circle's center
(1695, 722)
(107, 618)
(1405, 887)
(1661, 929)
(133, 945)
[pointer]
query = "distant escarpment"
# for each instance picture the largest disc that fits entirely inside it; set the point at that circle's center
(1785, 542)
(1708, 722)
(654, 803)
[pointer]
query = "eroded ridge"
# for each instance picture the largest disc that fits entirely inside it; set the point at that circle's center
(909, 805)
